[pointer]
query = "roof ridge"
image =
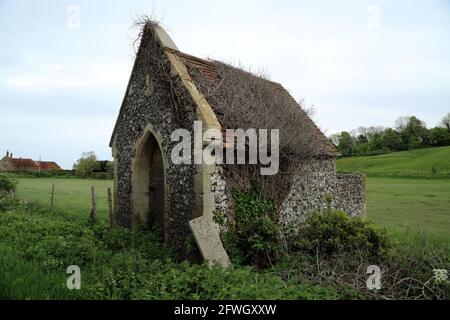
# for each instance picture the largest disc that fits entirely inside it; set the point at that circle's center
(211, 62)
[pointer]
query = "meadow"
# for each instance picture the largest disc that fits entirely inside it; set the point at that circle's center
(411, 209)
(73, 196)
(408, 193)
(421, 163)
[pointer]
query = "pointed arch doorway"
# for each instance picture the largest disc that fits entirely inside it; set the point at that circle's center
(149, 188)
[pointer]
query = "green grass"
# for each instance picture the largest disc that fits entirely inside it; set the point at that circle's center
(23, 280)
(37, 245)
(423, 163)
(407, 207)
(408, 193)
(73, 196)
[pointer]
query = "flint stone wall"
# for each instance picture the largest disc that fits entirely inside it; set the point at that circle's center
(312, 190)
(222, 195)
(350, 194)
(316, 187)
(141, 108)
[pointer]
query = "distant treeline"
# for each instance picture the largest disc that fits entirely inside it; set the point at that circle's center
(410, 133)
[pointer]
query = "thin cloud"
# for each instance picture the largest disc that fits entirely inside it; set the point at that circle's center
(50, 77)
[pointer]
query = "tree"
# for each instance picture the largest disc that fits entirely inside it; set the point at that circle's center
(110, 167)
(346, 143)
(445, 123)
(375, 142)
(391, 140)
(86, 165)
(362, 139)
(439, 137)
(413, 132)
(104, 166)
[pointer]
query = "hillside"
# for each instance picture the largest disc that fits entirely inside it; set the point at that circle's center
(423, 163)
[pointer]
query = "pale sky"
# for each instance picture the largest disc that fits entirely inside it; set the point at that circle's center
(360, 63)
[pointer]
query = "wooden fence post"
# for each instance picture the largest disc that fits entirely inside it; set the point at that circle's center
(110, 208)
(13, 197)
(94, 206)
(52, 200)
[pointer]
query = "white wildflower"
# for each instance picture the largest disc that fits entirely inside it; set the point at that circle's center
(440, 276)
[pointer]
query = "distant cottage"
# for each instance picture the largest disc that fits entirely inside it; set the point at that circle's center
(168, 90)
(9, 163)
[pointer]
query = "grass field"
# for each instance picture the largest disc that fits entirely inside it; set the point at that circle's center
(408, 192)
(423, 163)
(406, 206)
(72, 196)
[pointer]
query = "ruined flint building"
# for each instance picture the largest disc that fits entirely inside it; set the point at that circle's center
(168, 90)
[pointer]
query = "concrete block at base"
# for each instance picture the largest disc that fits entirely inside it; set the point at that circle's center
(206, 234)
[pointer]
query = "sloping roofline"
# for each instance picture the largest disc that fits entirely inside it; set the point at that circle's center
(209, 70)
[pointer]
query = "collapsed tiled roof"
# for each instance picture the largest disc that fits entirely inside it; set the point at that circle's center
(208, 69)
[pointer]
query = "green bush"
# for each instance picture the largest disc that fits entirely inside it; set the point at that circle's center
(334, 232)
(256, 237)
(6, 185)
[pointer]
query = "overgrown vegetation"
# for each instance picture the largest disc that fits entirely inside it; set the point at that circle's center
(7, 185)
(333, 250)
(334, 232)
(254, 237)
(37, 245)
(326, 260)
(410, 133)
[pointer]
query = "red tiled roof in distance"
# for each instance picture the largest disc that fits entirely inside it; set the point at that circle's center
(47, 165)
